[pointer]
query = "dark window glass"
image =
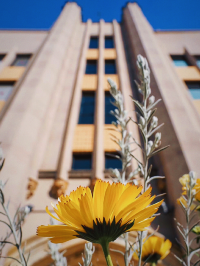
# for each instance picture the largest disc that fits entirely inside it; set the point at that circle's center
(109, 107)
(109, 42)
(5, 91)
(179, 60)
(194, 89)
(82, 161)
(21, 60)
(86, 115)
(198, 60)
(2, 57)
(91, 67)
(94, 43)
(112, 162)
(110, 67)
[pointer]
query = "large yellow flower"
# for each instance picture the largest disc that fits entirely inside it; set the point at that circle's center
(112, 210)
(154, 249)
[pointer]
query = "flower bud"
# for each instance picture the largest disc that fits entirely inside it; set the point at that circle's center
(142, 121)
(158, 136)
(151, 100)
(154, 122)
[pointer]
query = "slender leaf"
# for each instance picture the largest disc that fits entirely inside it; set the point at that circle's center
(180, 260)
(153, 105)
(153, 131)
(157, 151)
(138, 106)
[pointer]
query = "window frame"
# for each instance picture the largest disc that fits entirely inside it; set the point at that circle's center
(108, 67)
(192, 90)
(111, 156)
(88, 68)
(23, 56)
(95, 44)
(81, 154)
(107, 44)
(83, 115)
(180, 58)
(108, 116)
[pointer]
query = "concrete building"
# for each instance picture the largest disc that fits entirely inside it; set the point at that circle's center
(55, 107)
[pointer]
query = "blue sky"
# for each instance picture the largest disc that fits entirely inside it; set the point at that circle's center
(41, 14)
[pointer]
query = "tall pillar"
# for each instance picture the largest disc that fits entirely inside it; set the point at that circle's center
(125, 87)
(65, 161)
(98, 157)
(30, 106)
(182, 123)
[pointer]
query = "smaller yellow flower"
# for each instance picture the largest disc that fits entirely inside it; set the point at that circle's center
(184, 202)
(154, 249)
(185, 179)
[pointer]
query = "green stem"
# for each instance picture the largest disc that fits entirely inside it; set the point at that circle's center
(105, 248)
(153, 264)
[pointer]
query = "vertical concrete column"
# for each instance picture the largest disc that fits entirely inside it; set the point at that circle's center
(98, 156)
(46, 127)
(65, 161)
(30, 106)
(182, 123)
(125, 87)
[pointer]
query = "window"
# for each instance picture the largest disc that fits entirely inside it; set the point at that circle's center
(21, 60)
(198, 60)
(82, 161)
(2, 57)
(194, 89)
(5, 91)
(179, 60)
(94, 43)
(87, 108)
(91, 67)
(110, 67)
(109, 42)
(109, 118)
(112, 162)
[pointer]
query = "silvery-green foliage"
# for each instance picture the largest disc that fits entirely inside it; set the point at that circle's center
(190, 207)
(57, 257)
(148, 125)
(14, 228)
(124, 143)
(148, 122)
(87, 256)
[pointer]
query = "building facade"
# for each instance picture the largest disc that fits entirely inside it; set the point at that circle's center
(55, 123)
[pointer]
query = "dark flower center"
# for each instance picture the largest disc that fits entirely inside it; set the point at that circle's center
(152, 258)
(108, 231)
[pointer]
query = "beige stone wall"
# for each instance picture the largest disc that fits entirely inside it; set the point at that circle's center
(22, 41)
(174, 42)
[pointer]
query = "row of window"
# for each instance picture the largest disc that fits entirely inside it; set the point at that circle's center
(20, 60)
(87, 108)
(83, 161)
(181, 61)
(91, 67)
(108, 44)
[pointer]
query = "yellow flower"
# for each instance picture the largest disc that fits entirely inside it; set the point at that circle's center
(185, 179)
(154, 249)
(184, 203)
(112, 210)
